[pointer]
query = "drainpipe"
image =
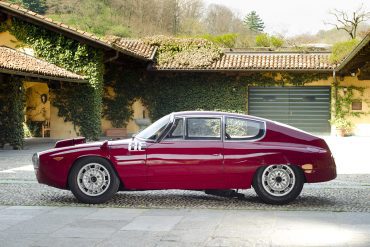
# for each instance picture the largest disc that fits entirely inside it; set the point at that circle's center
(335, 83)
(112, 58)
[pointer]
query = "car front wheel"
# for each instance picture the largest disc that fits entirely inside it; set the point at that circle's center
(93, 180)
(278, 184)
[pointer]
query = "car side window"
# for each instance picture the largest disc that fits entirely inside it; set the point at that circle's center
(243, 129)
(203, 128)
(177, 130)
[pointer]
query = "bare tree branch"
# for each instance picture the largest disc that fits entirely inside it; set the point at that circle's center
(349, 24)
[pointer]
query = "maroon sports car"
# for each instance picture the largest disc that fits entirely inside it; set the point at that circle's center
(192, 151)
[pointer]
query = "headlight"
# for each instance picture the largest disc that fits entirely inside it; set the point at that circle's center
(36, 161)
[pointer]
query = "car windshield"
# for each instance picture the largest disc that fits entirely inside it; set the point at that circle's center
(154, 130)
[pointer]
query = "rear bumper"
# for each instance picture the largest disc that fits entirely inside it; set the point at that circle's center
(324, 170)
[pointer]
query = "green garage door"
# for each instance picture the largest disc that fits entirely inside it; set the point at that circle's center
(306, 108)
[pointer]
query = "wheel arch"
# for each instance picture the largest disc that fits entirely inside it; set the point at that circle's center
(93, 156)
(266, 165)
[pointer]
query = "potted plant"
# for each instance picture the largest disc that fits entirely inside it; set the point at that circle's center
(343, 126)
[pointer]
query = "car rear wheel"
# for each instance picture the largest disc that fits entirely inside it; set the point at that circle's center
(93, 180)
(278, 184)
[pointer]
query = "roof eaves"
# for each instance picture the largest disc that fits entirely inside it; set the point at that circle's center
(36, 75)
(73, 77)
(239, 70)
(16, 10)
(353, 53)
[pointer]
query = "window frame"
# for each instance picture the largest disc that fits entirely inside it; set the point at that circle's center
(171, 129)
(252, 139)
(221, 138)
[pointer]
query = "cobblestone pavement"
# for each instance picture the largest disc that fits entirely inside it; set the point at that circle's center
(349, 192)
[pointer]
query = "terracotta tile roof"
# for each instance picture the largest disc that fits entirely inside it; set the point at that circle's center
(15, 62)
(135, 46)
(262, 62)
(129, 47)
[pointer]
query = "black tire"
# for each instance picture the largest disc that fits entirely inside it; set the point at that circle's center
(107, 173)
(270, 196)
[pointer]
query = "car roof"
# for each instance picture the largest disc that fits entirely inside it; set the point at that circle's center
(215, 113)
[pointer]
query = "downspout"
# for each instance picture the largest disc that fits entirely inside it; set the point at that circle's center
(112, 58)
(335, 84)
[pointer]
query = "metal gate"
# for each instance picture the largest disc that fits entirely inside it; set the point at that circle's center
(306, 108)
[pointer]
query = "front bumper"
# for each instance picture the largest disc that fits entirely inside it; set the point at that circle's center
(46, 173)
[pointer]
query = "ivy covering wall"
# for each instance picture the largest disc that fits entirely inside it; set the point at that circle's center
(78, 103)
(12, 103)
(166, 93)
(163, 92)
(121, 88)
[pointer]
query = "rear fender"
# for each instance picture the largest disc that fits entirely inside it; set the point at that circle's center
(276, 159)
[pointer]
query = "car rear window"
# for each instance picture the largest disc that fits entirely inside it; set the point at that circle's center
(243, 129)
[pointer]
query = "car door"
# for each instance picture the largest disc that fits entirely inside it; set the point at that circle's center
(242, 151)
(189, 157)
(130, 155)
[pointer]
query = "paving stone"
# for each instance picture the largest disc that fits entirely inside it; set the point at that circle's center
(66, 242)
(94, 232)
(133, 239)
(46, 223)
(9, 239)
(153, 223)
(4, 226)
(74, 210)
(115, 214)
(24, 210)
(170, 212)
(201, 219)
(88, 223)
(189, 235)
(164, 243)
(227, 241)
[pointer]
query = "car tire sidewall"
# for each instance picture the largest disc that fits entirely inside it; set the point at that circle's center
(82, 197)
(278, 200)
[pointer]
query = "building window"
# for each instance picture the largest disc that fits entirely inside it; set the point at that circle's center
(357, 105)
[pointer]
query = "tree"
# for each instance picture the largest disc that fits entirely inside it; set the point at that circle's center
(254, 22)
(224, 40)
(265, 40)
(38, 6)
(341, 49)
(218, 19)
(349, 21)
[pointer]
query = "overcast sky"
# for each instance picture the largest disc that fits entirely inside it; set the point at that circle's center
(291, 17)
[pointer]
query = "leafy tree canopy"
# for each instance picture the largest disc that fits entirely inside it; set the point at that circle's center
(265, 40)
(341, 49)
